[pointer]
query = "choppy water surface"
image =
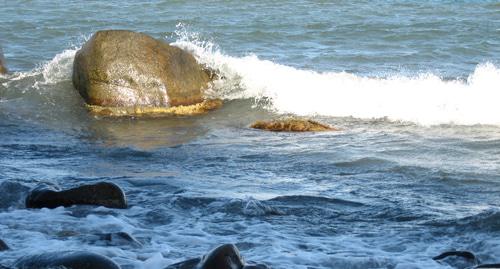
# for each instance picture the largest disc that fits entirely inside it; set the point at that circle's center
(413, 86)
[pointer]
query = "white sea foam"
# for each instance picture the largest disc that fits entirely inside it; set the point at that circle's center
(59, 68)
(424, 98)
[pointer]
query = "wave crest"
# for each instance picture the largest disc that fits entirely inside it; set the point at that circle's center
(424, 98)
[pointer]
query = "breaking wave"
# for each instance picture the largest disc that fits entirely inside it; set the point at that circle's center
(423, 98)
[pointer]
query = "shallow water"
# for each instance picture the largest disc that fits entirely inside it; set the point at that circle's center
(412, 173)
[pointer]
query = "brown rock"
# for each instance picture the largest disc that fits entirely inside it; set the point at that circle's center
(190, 110)
(118, 68)
(292, 125)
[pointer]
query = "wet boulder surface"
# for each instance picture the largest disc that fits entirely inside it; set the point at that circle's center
(67, 260)
(462, 260)
(100, 194)
(120, 68)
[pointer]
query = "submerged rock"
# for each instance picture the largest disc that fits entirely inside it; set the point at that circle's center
(457, 259)
(3, 246)
(68, 260)
(101, 194)
(118, 239)
(119, 68)
(223, 257)
(463, 254)
(292, 125)
(3, 68)
(462, 260)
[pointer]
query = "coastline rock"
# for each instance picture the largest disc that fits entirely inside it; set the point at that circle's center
(292, 125)
(3, 246)
(119, 68)
(3, 68)
(100, 194)
(189, 110)
(74, 260)
(223, 257)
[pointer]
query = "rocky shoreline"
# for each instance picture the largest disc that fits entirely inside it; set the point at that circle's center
(107, 194)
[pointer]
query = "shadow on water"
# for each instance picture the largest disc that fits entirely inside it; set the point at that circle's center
(145, 134)
(155, 132)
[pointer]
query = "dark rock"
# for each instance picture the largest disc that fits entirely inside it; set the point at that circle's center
(223, 257)
(292, 125)
(3, 68)
(101, 194)
(458, 259)
(3, 246)
(12, 194)
(464, 254)
(118, 68)
(74, 260)
(256, 266)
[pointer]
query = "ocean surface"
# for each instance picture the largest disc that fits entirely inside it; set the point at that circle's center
(414, 87)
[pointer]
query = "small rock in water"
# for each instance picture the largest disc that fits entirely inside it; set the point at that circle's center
(100, 194)
(3, 246)
(223, 257)
(292, 125)
(458, 259)
(67, 260)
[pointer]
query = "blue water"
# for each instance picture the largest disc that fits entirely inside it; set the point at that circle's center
(413, 86)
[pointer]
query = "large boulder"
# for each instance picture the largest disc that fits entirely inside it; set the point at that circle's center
(68, 260)
(101, 194)
(119, 68)
(3, 69)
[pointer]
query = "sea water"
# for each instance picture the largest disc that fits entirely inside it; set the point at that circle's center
(413, 87)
